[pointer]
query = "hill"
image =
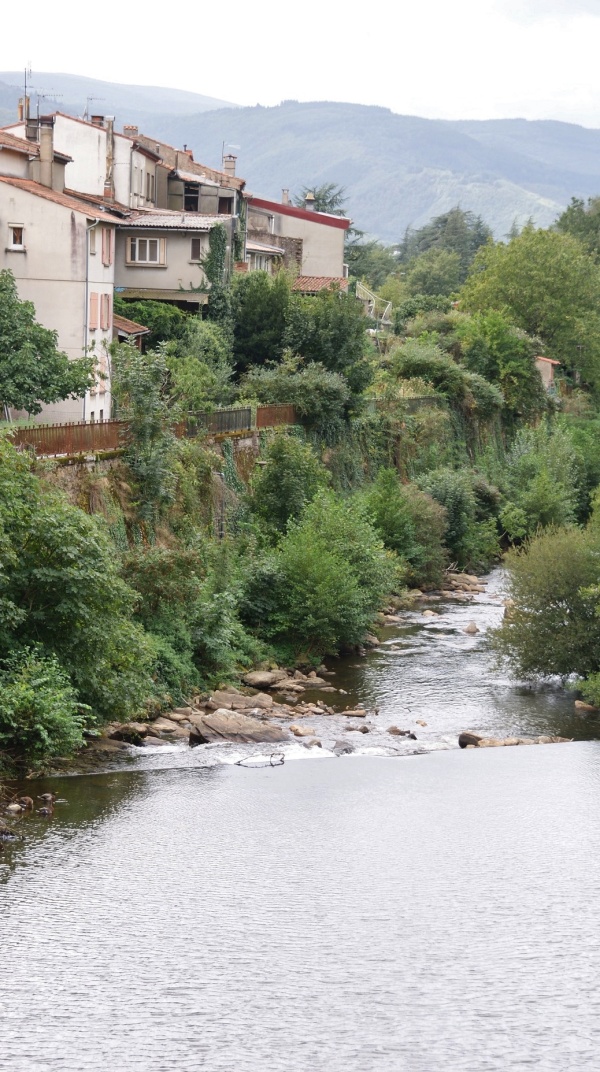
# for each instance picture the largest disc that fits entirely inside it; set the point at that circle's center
(129, 104)
(398, 170)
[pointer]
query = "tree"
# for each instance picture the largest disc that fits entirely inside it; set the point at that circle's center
(32, 369)
(455, 231)
(331, 329)
(437, 271)
(328, 197)
(260, 306)
(200, 367)
(582, 221)
(371, 262)
(164, 319)
(290, 479)
(547, 285)
(321, 397)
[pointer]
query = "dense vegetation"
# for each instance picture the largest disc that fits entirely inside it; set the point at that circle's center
(430, 445)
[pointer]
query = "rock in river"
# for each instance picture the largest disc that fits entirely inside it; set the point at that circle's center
(225, 725)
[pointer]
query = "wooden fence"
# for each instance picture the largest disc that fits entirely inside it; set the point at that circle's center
(52, 440)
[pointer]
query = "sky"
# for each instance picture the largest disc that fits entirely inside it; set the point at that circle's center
(465, 59)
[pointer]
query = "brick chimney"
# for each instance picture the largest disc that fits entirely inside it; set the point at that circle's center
(229, 163)
(97, 121)
(130, 130)
(309, 202)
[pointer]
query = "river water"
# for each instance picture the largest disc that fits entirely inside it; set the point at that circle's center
(376, 911)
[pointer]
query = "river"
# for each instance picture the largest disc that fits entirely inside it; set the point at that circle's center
(376, 911)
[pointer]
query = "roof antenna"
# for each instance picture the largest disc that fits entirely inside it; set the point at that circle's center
(86, 114)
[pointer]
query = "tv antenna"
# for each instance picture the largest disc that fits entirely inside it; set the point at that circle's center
(88, 101)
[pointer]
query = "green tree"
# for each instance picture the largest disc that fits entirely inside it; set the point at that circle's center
(437, 271)
(200, 367)
(260, 306)
(505, 355)
(455, 231)
(370, 262)
(289, 480)
(32, 369)
(547, 285)
(411, 523)
(321, 397)
(331, 329)
(582, 221)
(552, 626)
(39, 713)
(328, 197)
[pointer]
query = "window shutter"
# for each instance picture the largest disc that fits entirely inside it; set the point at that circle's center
(106, 246)
(93, 311)
(105, 312)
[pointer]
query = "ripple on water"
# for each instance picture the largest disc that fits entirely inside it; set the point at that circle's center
(433, 915)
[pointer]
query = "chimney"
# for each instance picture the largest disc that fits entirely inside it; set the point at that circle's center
(130, 130)
(309, 202)
(23, 109)
(109, 180)
(285, 197)
(46, 149)
(97, 121)
(229, 163)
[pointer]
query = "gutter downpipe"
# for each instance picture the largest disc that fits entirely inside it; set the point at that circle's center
(88, 228)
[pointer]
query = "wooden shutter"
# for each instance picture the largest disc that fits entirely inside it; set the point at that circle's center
(105, 312)
(93, 311)
(106, 246)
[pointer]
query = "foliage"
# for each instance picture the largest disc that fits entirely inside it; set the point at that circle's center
(582, 221)
(319, 590)
(320, 397)
(215, 265)
(419, 303)
(200, 368)
(328, 197)
(504, 355)
(437, 271)
(331, 329)
(552, 626)
(165, 320)
(471, 532)
(139, 386)
(410, 523)
(39, 713)
(61, 591)
(289, 480)
(260, 306)
(456, 231)
(371, 262)
(467, 390)
(32, 370)
(550, 287)
(542, 474)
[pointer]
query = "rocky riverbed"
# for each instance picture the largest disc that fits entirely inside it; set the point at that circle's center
(281, 707)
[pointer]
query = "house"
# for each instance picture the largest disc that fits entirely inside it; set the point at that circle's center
(60, 250)
(545, 367)
(312, 242)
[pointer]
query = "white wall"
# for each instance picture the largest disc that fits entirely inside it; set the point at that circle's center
(179, 272)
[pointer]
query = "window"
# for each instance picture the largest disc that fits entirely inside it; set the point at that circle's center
(225, 206)
(92, 417)
(107, 246)
(146, 251)
(101, 415)
(149, 186)
(16, 236)
(196, 253)
(191, 194)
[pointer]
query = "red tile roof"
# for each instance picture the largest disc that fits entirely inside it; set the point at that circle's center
(312, 284)
(121, 323)
(66, 200)
(280, 209)
(20, 145)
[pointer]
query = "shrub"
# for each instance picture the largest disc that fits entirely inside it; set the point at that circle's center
(39, 713)
(553, 627)
(410, 523)
(290, 479)
(321, 397)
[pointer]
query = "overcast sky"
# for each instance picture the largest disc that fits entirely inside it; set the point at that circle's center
(462, 59)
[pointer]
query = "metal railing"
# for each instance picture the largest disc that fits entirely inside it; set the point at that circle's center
(53, 440)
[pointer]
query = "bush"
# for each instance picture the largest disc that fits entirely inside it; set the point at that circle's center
(553, 627)
(290, 479)
(39, 713)
(320, 397)
(410, 523)
(542, 480)
(471, 534)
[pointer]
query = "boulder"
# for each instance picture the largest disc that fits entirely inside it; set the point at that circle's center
(357, 713)
(471, 629)
(467, 739)
(395, 732)
(343, 748)
(150, 741)
(581, 706)
(301, 731)
(314, 743)
(420, 722)
(370, 641)
(165, 725)
(358, 729)
(130, 732)
(430, 614)
(288, 684)
(263, 679)
(178, 714)
(225, 725)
